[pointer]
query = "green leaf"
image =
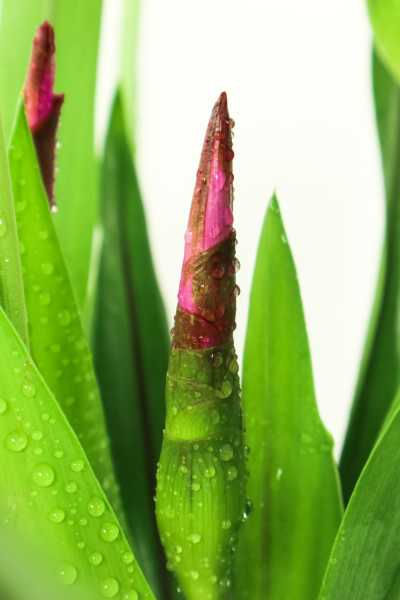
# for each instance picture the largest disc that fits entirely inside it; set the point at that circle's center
(11, 286)
(385, 20)
(58, 344)
(24, 572)
(77, 33)
(364, 564)
(380, 369)
(293, 484)
(131, 342)
(52, 494)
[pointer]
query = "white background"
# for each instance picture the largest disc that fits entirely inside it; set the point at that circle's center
(298, 82)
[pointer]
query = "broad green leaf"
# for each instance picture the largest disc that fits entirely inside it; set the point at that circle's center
(58, 344)
(77, 33)
(364, 564)
(380, 370)
(24, 572)
(293, 484)
(385, 20)
(131, 342)
(11, 286)
(52, 494)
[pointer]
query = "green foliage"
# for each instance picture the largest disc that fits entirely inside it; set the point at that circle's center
(380, 370)
(291, 470)
(77, 33)
(385, 19)
(131, 343)
(68, 529)
(364, 561)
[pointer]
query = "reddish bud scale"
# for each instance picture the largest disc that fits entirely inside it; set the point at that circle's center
(42, 106)
(206, 307)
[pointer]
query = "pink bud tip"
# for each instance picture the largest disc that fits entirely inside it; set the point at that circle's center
(42, 106)
(209, 237)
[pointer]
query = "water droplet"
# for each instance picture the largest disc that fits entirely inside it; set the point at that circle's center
(194, 538)
(3, 226)
(232, 473)
(77, 466)
(71, 487)
(216, 359)
(16, 441)
(131, 595)
(67, 574)
(64, 318)
(57, 515)
(44, 298)
(96, 507)
(37, 435)
(128, 558)
(226, 452)
(218, 270)
(109, 532)
(109, 587)
(47, 268)
(225, 390)
(248, 507)
(233, 366)
(236, 291)
(3, 406)
(284, 238)
(195, 486)
(194, 575)
(59, 453)
(29, 389)
(43, 475)
(209, 472)
(226, 524)
(96, 558)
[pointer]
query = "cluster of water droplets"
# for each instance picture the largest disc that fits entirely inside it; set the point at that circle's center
(54, 480)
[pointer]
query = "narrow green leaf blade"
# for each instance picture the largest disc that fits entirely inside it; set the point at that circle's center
(131, 342)
(77, 36)
(11, 286)
(293, 484)
(51, 491)
(380, 370)
(58, 344)
(364, 564)
(385, 20)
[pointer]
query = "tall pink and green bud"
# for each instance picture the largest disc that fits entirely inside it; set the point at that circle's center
(42, 105)
(201, 475)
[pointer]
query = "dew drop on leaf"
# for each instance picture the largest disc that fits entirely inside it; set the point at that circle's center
(3, 406)
(109, 587)
(96, 507)
(109, 532)
(57, 515)
(43, 475)
(77, 466)
(232, 473)
(16, 441)
(127, 557)
(209, 472)
(29, 389)
(96, 558)
(71, 487)
(131, 595)
(226, 452)
(67, 574)
(225, 390)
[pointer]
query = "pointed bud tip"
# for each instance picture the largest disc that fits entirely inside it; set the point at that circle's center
(209, 241)
(42, 105)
